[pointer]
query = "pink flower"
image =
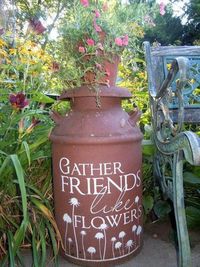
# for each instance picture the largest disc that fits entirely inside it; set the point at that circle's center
(97, 27)
(107, 72)
(81, 49)
(100, 46)
(90, 42)
(99, 66)
(162, 8)
(125, 40)
(105, 6)
(97, 13)
(119, 41)
(84, 3)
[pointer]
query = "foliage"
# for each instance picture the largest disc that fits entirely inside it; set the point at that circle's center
(96, 31)
(25, 186)
(165, 29)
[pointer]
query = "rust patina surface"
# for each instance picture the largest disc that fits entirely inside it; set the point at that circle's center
(97, 159)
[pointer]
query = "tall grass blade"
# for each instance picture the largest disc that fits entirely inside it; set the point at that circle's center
(10, 249)
(35, 251)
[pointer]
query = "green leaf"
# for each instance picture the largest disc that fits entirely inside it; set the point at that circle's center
(54, 243)
(27, 150)
(42, 98)
(193, 217)
(20, 176)
(191, 178)
(148, 148)
(10, 249)
(3, 166)
(34, 250)
(148, 202)
(161, 208)
(43, 245)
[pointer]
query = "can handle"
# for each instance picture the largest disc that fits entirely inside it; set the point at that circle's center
(134, 116)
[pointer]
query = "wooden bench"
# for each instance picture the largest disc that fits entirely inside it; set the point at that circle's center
(173, 78)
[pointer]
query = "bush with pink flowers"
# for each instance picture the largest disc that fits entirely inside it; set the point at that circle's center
(93, 31)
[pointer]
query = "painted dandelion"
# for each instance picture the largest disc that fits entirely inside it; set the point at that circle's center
(69, 242)
(137, 202)
(138, 232)
(129, 245)
(83, 233)
(134, 228)
(74, 202)
(103, 227)
(121, 236)
(113, 239)
(92, 251)
(118, 245)
(99, 236)
(67, 219)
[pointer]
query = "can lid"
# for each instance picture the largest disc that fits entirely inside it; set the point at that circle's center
(89, 91)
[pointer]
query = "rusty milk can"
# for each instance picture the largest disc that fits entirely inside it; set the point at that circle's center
(97, 177)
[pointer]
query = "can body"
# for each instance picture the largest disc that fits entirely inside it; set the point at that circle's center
(97, 182)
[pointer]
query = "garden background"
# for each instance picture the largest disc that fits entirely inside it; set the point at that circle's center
(35, 66)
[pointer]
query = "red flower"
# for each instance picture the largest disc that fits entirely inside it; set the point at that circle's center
(18, 101)
(32, 126)
(36, 26)
(55, 66)
(90, 42)
(85, 3)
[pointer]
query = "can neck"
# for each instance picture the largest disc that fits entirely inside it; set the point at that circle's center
(95, 103)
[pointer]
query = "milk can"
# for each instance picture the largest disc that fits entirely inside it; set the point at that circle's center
(96, 155)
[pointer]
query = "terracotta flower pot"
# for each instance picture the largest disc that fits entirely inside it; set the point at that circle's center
(104, 72)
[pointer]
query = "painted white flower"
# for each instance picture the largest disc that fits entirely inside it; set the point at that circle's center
(113, 239)
(139, 230)
(83, 232)
(69, 240)
(129, 243)
(91, 250)
(99, 235)
(103, 226)
(74, 202)
(67, 218)
(134, 228)
(118, 245)
(122, 234)
(137, 199)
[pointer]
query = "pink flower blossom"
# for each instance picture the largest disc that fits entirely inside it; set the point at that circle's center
(162, 8)
(99, 66)
(107, 72)
(100, 46)
(125, 40)
(97, 27)
(105, 7)
(81, 49)
(119, 41)
(97, 13)
(90, 42)
(84, 3)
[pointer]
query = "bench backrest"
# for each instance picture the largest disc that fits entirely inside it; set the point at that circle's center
(158, 60)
